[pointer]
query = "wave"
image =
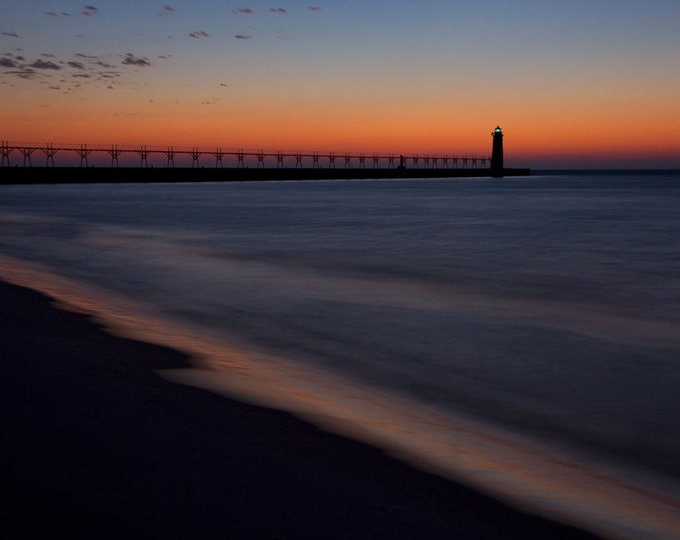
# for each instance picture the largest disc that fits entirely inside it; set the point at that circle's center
(528, 473)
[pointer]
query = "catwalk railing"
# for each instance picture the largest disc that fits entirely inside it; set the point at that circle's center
(143, 156)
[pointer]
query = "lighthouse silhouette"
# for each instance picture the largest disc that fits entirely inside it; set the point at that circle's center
(497, 152)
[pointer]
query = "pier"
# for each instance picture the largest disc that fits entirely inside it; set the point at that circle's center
(170, 157)
(20, 164)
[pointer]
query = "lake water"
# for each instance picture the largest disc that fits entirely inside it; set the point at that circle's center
(519, 334)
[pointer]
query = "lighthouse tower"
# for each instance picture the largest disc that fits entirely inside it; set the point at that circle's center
(497, 152)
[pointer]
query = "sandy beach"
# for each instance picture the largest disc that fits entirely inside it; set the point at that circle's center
(97, 444)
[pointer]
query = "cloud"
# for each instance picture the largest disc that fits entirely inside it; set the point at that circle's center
(42, 64)
(62, 14)
(22, 70)
(8, 63)
(241, 10)
(24, 73)
(242, 36)
(90, 11)
(88, 56)
(69, 74)
(314, 8)
(104, 65)
(198, 35)
(10, 34)
(14, 58)
(167, 9)
(132, 60)
(277, 10)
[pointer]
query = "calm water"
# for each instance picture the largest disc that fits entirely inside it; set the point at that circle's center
(538, 313)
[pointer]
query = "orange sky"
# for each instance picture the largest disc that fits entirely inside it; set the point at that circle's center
(566, 91)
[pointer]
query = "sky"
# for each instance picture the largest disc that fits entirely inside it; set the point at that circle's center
(572, 83)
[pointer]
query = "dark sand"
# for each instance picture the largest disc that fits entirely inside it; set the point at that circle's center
(95, 444)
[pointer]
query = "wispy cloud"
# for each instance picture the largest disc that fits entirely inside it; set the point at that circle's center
(42, 64)
(8, 63)
(69, 71)
(132, 60)
(89, 56)
(70, 74)
(166, 10)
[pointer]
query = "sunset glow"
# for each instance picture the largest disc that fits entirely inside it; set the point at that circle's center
(572, 83)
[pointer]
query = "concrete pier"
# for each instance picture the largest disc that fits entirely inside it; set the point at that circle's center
(98, 175)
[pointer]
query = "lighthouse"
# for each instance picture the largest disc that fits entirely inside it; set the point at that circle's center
(497, 152)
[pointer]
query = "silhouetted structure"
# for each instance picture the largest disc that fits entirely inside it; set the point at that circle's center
(308, 165)
(497, 152)
(237, 159)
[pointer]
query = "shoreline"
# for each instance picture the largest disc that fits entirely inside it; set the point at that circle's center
(97, 434)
